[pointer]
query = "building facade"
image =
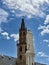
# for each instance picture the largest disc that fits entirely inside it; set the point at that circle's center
(30, 49)
(21, 46)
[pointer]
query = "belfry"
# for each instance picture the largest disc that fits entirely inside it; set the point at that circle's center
(25, 50)
(21, 46)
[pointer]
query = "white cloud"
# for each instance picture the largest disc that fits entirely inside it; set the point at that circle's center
(3, 15)
(31, 7)
(45, 29)
(46, 20)
(3, 18)
(41, 27)
(46, 40)
(42, 54)
(6, 35)
(15, 36)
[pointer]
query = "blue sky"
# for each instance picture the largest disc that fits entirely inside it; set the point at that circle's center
(36, 16)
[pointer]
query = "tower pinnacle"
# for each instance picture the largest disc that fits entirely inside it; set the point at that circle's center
(23, 24)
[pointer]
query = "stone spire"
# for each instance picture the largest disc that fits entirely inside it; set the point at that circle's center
(21, 46)
(23, 24)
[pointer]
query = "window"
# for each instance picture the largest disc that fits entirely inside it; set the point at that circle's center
(23, 33)
(32, 63)
(20, 48)
(20, 57)
(25, 48)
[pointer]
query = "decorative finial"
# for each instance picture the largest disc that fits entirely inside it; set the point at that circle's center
(22, 24)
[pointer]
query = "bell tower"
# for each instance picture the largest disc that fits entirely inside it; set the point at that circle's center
(30, 49)
(21, 46)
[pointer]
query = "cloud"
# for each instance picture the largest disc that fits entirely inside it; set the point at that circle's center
(41, 27)
(46, 20)
(45, 29)
(42, 54)
(3, 15)
(6, 35)
(15, 36)
(28, 7)
(46, 40)
(3, 18)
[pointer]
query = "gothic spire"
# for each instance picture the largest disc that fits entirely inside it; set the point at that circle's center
(23, 24)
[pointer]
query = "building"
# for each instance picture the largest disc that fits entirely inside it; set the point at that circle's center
(25, 44)
(30, 49)
(7, 60)
(25, 49)
(21, 46)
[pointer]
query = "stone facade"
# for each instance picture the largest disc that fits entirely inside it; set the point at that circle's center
(30, 49)
(21, 46)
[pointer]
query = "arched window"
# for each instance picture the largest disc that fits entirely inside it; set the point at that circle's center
(32, 63)
(23, 33)
(25, 48)
(20, 48)
(20, 57)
